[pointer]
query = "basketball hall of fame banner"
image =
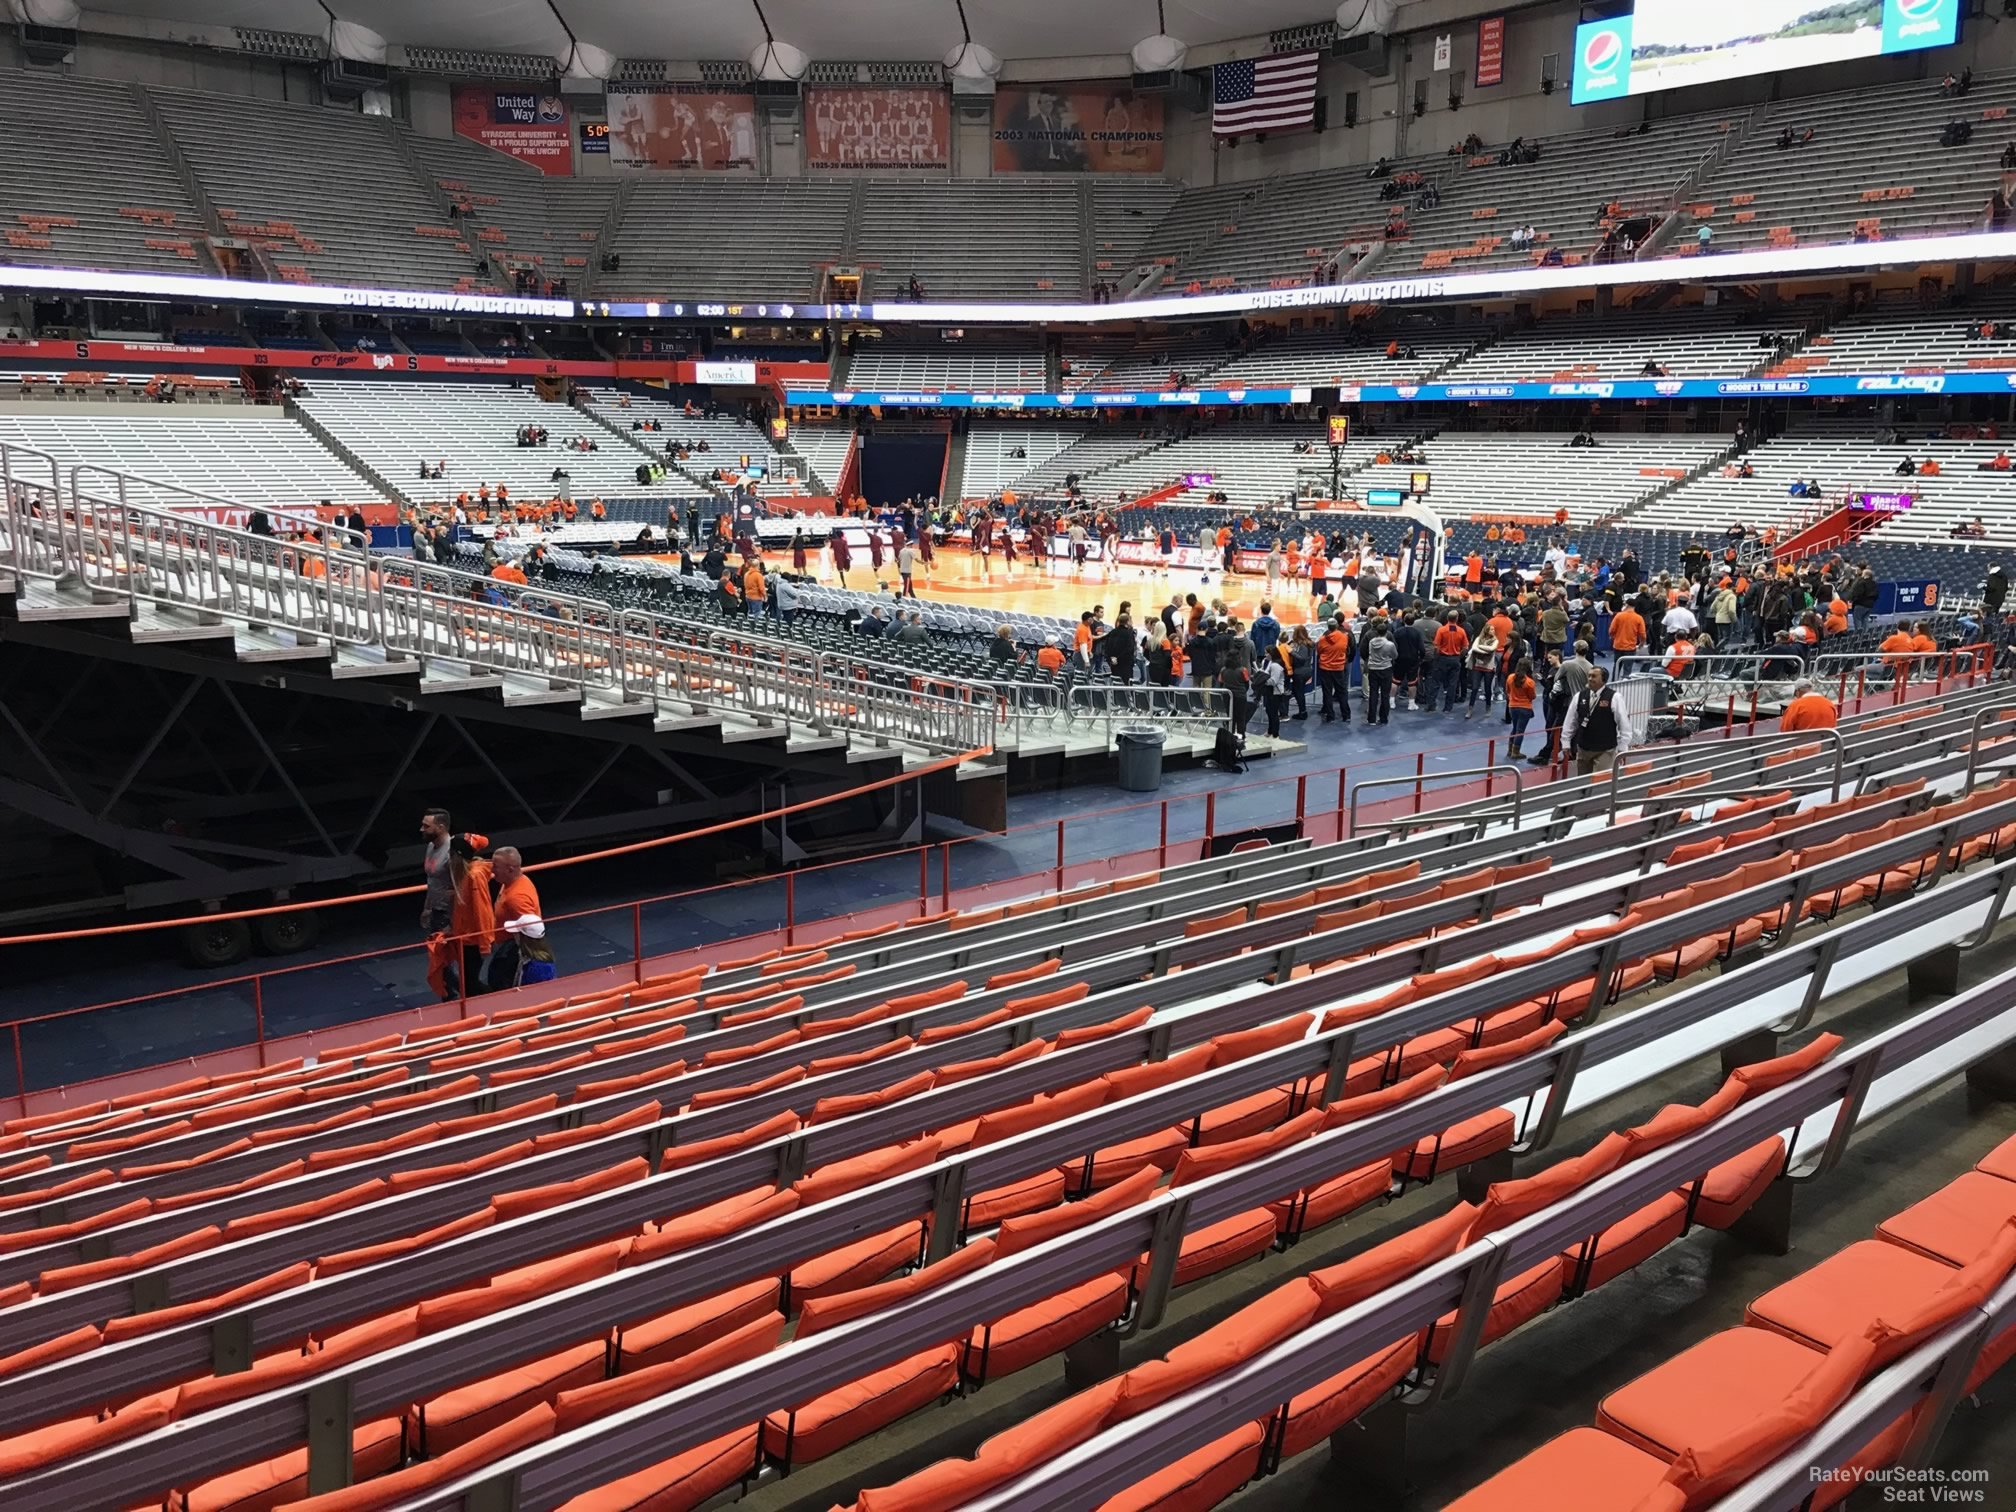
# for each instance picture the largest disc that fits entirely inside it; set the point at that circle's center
(680, 126)
(1085, 127)
(878, 128)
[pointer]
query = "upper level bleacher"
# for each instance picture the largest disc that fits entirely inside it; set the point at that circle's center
(726, 235)
(896, 363)
(514, 215)
(110, 199)
(1684, 343)
(1563, 197)
(1005, 238)
(1875, 166)
(326, 193)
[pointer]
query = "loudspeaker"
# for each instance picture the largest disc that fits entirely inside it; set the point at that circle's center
(1324, 397)
(1351, 109)
(1322, 114)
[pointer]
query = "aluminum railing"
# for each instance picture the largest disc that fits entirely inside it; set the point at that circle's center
(88, 530)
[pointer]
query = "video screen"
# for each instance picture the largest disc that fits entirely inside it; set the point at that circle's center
(1670, 44)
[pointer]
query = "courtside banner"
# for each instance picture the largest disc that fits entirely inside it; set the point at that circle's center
(1828, 386)
(1776, 262)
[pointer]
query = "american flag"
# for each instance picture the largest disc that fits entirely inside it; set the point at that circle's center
(1263, 94)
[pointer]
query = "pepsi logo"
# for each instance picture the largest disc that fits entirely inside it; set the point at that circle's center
(1918, 10)
(1237, 396)
(1605, 50)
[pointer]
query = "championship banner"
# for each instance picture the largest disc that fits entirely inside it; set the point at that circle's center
(526, 124)
(678, 126)
(1082, 128)
(1491, 51)
(878, 128)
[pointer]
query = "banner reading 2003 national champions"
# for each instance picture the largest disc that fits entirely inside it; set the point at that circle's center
(1077, 128)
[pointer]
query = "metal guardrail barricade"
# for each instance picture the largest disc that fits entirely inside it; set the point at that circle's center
(318, 582)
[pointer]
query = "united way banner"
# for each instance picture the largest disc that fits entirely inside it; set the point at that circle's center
(878, 128)
(1077, 128)
(676, 126)
(527, 124)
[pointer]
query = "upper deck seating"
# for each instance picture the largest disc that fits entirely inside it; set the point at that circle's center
(354, 219)
(1875, 166)
(111, 199)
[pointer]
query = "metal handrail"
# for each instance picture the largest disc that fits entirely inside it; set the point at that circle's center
(317, 587)
(1418, 779)
(199, 500)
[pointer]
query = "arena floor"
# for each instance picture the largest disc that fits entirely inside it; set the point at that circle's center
(955, 577)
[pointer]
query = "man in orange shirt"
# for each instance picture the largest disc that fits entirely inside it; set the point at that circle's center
(1050, 658)
(1627, 632)
(521, 955)
(1807, 710)
(1502, 627)
(1900, 644)
(1333, 665)
(1452, 642)
(1473, 571)
(755, 592)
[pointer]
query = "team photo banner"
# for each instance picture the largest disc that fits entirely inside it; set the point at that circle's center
(878, 128)
(1077, 128)
(680, 126)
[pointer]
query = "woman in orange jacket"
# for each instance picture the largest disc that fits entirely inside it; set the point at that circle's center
(455, 960)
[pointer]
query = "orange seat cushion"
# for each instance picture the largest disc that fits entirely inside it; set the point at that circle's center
(1731, 1188)
(1044, 1328)
(1837, 1298)
(858, 1264)
(1218, 1246)
(1249, 1115)
(1630, 1241)
(1956, 1222)
(1118, 1162)
(1511, 1023)
(671, 1335)
(2000, 1161)
(1198, 1481)
(375, 1448)
(1315, 1206)
(1472, 1139)
(831, 1422)
(1032, 1194)
(1584, 1470)
(1315, 1414)
(1519, 1300)
(1707, 1393)
(679, 1483)
(455, 1417)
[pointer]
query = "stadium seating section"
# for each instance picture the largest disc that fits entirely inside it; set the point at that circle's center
(537, 1217)
(328, 195)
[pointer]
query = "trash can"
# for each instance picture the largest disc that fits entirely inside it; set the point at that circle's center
(1140, 757)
